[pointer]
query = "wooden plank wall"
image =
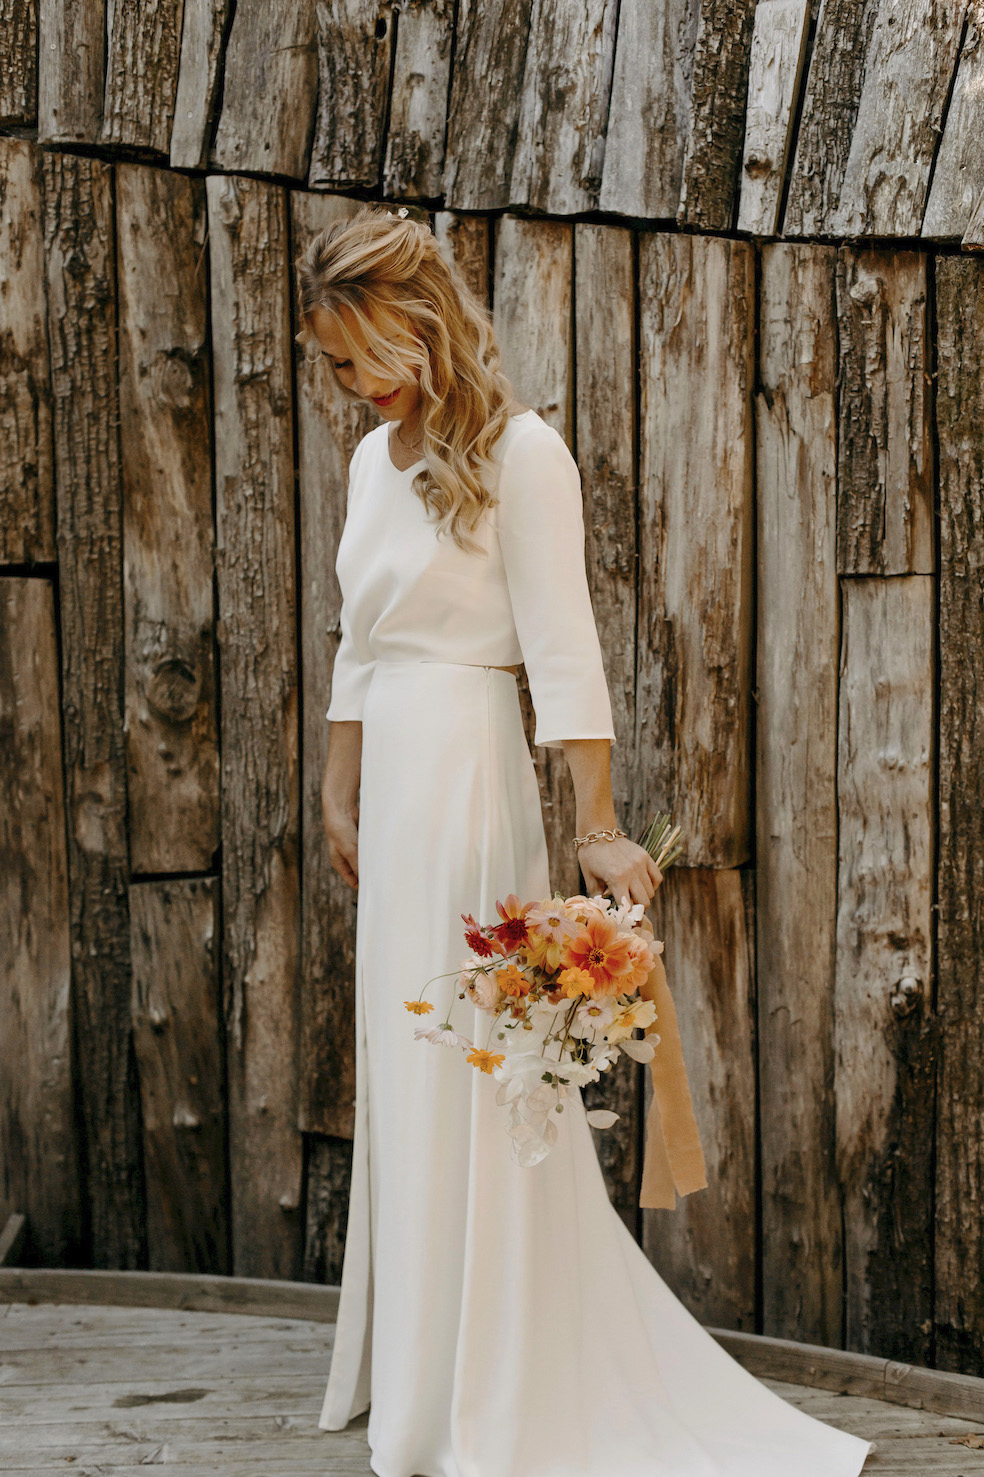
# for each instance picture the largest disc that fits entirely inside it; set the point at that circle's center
(729, 253)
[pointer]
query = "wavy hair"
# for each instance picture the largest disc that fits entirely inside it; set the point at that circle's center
(417, 313)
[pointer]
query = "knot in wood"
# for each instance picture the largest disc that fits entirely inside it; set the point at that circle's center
(906, 995)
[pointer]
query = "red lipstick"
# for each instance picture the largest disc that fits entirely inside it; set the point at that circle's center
(385, 399)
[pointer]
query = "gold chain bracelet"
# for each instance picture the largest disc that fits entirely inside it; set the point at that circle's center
(606, 835)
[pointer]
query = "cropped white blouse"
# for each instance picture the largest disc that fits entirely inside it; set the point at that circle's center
(410, 596)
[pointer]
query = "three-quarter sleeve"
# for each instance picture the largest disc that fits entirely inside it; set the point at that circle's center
(541, 535)
(349, 676)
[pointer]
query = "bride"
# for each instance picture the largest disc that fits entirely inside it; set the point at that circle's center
(495, 1320)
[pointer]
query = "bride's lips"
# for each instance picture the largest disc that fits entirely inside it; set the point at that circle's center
(385, 399)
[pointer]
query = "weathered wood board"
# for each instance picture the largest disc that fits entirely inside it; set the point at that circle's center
(204, 33)
(483, 111)
(604, 332)
(269, 90)
(910, 67)
(795, 792)
(81, 291)
(19, 77)
(534, 263)
(177, 1029)
(71, 58)
(27, 505)
(563, 109)
(414, 163)
(830, 110)
(885, 453)
(172, 739)
(38, 1153)
(649, 112)
(329, 1174)
(466, 241)
(778, 52)
(883, 1027)
(959, 1244)
(142, 49)
(696, 306)
(705, 1249)
(254, 471)
(328, 431)
(355, 46)
(712, 160)
(958, 171)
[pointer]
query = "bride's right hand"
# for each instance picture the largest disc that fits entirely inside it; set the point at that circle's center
(342, 830)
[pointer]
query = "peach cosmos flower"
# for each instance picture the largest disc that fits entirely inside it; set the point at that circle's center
(605, 953)
(551, 920)
(512, 981)
(485, 1061)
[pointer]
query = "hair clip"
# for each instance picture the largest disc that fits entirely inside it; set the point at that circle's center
(403, 210)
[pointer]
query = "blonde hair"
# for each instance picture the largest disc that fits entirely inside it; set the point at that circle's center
(416, 312)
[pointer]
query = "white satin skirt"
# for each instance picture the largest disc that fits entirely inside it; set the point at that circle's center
(500, 1321)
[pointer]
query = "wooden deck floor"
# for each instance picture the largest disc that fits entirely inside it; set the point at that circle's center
(113, 1390)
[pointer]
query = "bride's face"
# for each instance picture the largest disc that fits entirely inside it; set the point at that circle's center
(394, 399)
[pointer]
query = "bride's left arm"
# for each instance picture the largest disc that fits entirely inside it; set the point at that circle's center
(621, 865)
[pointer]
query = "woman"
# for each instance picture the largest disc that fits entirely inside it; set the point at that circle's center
(497, 1320)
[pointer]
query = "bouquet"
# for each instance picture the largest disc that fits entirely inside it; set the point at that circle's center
(564, 982)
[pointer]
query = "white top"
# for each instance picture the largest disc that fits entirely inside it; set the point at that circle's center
(408, 595)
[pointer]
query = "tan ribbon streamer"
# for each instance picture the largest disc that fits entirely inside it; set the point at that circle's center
(674, 1159)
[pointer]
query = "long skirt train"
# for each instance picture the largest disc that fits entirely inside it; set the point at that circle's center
(500, 1321)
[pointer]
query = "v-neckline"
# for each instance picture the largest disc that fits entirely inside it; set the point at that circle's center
(399, 470)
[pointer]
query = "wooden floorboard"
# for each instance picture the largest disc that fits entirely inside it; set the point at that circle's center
(115, 1390)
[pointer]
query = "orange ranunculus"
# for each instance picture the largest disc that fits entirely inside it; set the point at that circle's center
(512, 981)
(418, 1007)
(576, 981)
(485, 1061)
(606, 954)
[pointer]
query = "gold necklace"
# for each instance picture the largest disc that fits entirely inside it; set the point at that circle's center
(405, 443)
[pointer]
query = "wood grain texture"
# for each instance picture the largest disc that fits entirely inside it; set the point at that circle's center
(705, 1248)
(81, 290)
(958, 173)
(959, 1309)
(795, 792)
(712, 161)
(649, 112)
(778, 51)
(19, 76)
(910, 67)
(27, 495)
(328, 431)
(884, 454)
(258, 661)
(694, 623)
(142, 51)
(563, 112)
(534, 263)
(172, 738)
(329, 1173)
(355, 42)
(270, 87)
(204, 34)
(38, 1153)
(830, 110)
(177, 1031)
(483, 113)
(605, 336)
(883, 1025)
(414, 163)
(465, 240)
(71, 57)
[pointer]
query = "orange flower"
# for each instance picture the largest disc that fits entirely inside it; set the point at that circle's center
(576, 982)
(640, 965)
(511, 932)
(485, 1061)
(418, 1007)
(606, 954)
(512, 981)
